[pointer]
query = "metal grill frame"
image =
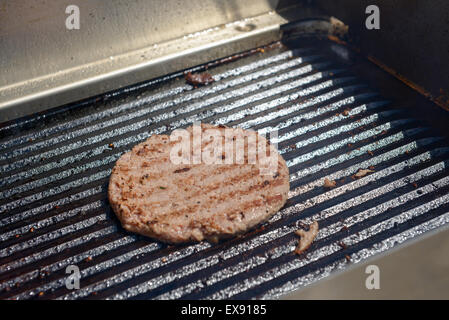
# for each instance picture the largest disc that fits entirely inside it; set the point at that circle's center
(53, 204)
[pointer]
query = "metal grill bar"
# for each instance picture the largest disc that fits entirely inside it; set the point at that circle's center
(54, 182)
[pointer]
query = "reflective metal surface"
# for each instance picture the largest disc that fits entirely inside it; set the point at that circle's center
(55, 168)
(416, 270)
(413, 39)
(119, 43)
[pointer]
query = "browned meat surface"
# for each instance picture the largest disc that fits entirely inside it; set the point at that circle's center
(307, 237)
(199, 79)
(177, 203)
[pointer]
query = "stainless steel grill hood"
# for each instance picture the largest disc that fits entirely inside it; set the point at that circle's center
(119, 43)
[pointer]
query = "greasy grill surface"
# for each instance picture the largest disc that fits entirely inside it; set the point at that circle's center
(55, 168)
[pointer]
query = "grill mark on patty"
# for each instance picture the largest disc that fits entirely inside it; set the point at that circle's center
(243, 177)
(222, 199)
(159, 160)
(181, 170)
(208, 221)
(219, 169)
(154, 164)
(274, 183)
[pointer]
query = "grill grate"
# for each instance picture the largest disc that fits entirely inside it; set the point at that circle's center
(55, 167)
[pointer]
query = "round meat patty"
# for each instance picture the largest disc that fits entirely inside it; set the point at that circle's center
(177, 202)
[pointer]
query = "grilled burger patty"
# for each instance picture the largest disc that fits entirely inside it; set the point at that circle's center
(153, 196)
